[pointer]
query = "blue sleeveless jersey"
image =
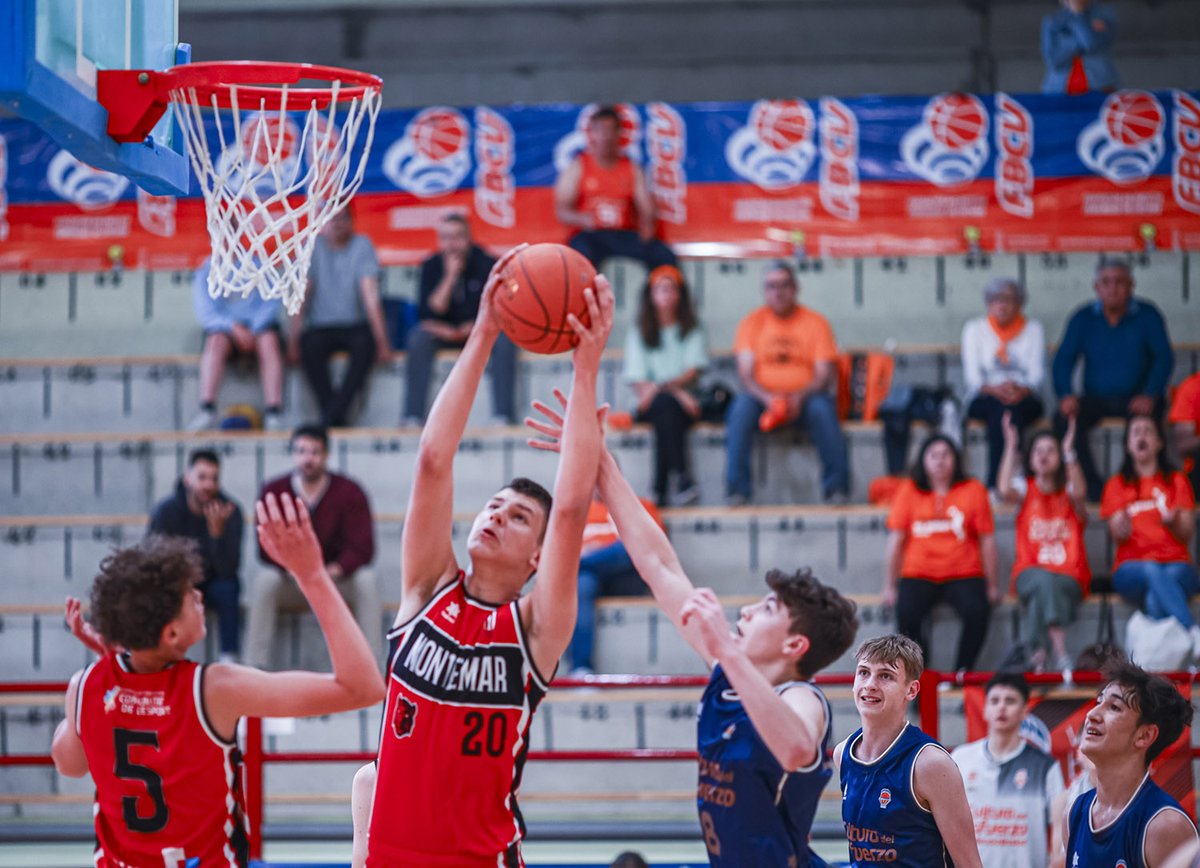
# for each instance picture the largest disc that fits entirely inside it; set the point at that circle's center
(1120, 843)
(884, 822)
(752, 810)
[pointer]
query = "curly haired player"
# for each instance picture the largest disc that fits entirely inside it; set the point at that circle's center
(156, 730)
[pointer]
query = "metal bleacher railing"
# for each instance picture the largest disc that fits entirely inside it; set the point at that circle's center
(256, 756)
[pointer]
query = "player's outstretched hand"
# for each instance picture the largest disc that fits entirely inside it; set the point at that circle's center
(81, 629)
(703, 611)
(485, 320)
(594, 336)
(552, 429)
(287, 536)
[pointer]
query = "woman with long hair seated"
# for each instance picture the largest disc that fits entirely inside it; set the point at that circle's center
(1051, 574)
(664, 356)
(1150, 509)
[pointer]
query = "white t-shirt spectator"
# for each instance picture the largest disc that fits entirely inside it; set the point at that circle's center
(1026, 365)
(1010, 799)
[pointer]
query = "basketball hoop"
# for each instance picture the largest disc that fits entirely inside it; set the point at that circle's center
(275, 161)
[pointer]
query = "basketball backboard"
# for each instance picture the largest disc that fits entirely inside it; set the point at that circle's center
(50, 53)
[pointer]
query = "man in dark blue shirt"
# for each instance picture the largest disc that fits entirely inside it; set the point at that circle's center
(1127, 361)
(199, 510)
(452, 282)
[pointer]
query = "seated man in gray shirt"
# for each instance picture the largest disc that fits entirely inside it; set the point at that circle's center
(342, 313)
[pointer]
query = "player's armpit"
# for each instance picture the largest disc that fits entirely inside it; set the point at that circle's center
(1168, 833)
(938, 785)
(67, 747)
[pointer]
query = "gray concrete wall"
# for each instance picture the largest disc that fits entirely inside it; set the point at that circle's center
(505, 51)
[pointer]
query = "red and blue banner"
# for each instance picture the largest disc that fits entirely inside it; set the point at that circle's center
(871, 176)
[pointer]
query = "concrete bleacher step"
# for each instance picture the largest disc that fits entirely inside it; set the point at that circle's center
(729, 550)
(125, 393)
(70, 474)
(868, 300)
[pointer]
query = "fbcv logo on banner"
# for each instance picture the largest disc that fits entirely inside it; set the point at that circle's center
(950, 145)
(495, 152)
(838, 185)
(1125, 143)
(1185, 170)
(666, 145)
(434, 155)
(775, 149)
(1014, 157)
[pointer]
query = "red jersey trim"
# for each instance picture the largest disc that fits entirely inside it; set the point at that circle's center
(87, 670)
(400, 628)
(523, 640)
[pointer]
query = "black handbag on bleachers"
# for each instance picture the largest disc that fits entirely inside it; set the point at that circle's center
(1097, 655)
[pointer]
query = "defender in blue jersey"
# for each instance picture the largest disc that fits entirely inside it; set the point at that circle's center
(903, 801)
(1127, 819)
(764, 728)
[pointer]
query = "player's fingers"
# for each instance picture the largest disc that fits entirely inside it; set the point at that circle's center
(561, 397)
(273, 512)
(542, 428)
(302, 516)
(593, 306)
(604, 294)
(602, 414)
(544, 445)
(545, 410)
(289, 510)
(576, 326)
(260, 513)
(503, 261)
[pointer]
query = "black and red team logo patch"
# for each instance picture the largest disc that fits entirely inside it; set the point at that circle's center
(404, 717)
(885, 797)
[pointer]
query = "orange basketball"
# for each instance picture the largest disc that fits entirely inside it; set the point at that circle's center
(538, 288)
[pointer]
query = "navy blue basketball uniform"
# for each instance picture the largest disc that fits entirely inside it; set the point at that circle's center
(884, 821)
(1122, 841)
(753, 811)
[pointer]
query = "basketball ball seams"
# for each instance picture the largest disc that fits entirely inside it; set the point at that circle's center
(532, 308)
(563, 325)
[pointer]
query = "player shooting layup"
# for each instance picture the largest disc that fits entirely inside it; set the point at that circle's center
(469, 657)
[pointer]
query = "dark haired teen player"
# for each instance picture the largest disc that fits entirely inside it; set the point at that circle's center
(1127, 819)
(156, 730)
(764, 727)
(470, 658)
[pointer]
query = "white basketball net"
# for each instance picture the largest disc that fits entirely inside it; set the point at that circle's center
(271, 187)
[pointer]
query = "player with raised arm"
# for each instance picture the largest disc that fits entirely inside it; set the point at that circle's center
(1128, 819)
(157, 731)
(764, 729)
(903, 800)
(470, 658)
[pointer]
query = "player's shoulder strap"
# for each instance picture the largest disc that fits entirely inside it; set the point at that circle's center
(447, 586)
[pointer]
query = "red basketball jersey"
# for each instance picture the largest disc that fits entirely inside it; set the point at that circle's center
(607, 193)
(462, 690)
(166, 783)
(1050, 536)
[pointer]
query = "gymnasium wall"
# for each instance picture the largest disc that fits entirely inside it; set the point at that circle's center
(537, 51)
